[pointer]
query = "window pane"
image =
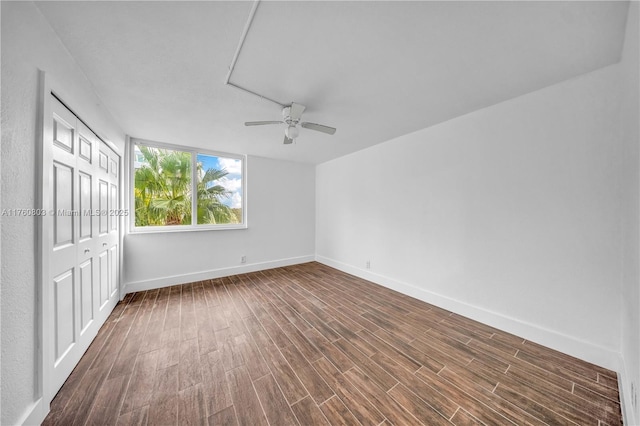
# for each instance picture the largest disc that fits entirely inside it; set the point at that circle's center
(162, 187)
(219, 190)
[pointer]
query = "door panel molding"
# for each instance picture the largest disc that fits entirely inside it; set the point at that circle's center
(64, 305)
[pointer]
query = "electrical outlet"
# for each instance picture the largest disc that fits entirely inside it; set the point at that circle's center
(368, 264)
(243, 259)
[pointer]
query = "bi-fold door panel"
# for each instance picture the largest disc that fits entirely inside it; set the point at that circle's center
(83, 239)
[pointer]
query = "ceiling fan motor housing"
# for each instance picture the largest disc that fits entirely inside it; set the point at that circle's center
(286, 116)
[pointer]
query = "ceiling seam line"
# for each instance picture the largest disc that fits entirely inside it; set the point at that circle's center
(243, 37)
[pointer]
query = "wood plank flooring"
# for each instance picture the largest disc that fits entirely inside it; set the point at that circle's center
(309, 345)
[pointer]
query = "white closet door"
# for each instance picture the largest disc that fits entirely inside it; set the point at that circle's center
(83, 239)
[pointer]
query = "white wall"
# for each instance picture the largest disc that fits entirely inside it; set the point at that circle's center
(28, 43)
(630, 138)
(281, 218)
(510, 215)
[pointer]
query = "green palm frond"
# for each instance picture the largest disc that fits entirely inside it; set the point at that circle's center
(163, 187)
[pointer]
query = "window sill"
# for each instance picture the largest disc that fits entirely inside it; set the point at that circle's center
(185, 228)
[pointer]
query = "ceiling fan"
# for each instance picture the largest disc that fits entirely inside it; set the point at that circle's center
(291, 117)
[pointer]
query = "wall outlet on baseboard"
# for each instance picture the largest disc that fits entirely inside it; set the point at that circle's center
(243, 259)
(368, 264)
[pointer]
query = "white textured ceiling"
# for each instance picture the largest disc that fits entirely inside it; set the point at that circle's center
(374, 70)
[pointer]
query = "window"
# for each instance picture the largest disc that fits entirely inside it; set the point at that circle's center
(177, 188)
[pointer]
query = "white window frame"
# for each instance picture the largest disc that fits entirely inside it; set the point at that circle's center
(194, 179)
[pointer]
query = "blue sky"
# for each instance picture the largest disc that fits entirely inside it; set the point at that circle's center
(232, 181)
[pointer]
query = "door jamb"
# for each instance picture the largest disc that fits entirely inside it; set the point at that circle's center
(43, 235)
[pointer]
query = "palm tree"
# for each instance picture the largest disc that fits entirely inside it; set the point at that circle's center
(210, 209)
(163, 190)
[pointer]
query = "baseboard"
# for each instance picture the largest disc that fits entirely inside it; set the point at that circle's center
(213, 273)
(578, 348)
(626, 403)
(35, 414)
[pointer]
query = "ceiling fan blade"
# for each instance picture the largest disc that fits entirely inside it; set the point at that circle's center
(296, 110)
(260, 123)
(319, 127)
(287, 141)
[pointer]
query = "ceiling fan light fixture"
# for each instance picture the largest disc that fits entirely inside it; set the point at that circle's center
(292, 132)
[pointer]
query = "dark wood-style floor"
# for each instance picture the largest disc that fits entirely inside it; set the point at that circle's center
(311, 345)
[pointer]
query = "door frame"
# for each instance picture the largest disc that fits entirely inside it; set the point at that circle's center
(44, 233)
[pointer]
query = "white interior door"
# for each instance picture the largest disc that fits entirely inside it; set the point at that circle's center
(83, 237)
